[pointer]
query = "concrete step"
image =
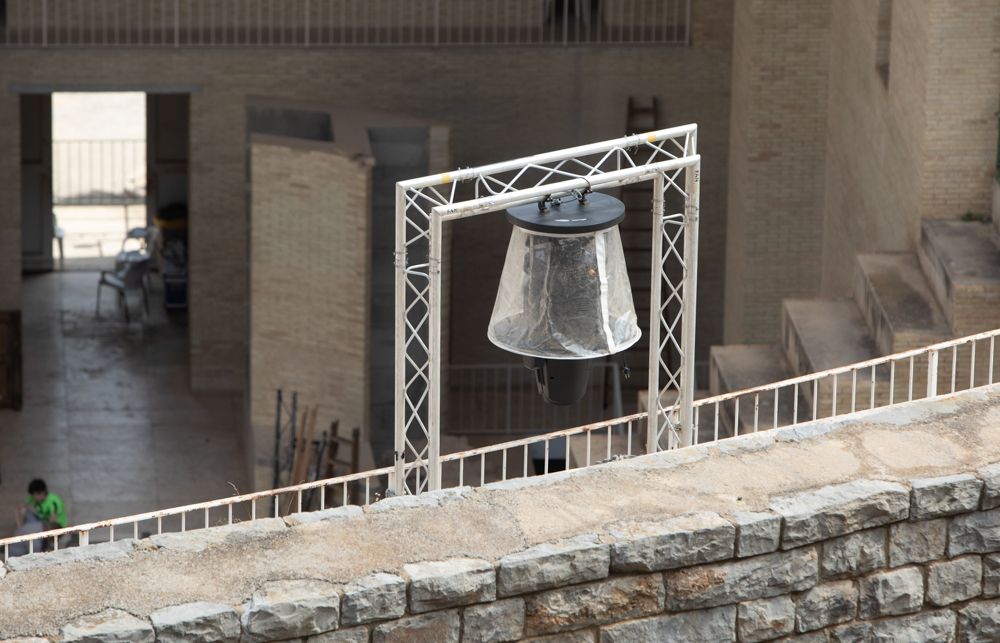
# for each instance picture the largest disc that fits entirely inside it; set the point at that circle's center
(897, 303)
(819, 334)
(738, 367)
(962, 264)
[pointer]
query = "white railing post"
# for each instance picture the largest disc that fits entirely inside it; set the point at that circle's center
(434, 356)
(653, 390)
(932, 373)
(688, 298)
(399, 418)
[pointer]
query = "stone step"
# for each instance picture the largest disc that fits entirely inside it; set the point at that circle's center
(962, 264)
(737, 367)
(896, 302)
(819, 334)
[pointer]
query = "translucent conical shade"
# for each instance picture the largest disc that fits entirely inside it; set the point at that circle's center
(564, 297)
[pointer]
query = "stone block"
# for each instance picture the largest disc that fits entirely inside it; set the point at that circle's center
(991, 486)
(840, 509)
(449, 583)
(808, 637)
(577, 560)
(286, 609)
(198, 622)
(917, 542)
(944, 496)
(588, 635)
(979, 622)
(950, 581)
(494, 622)
(201, 539)
(676, 542)
(975, 533)
(435, 627)
(352, 635)
(376, 597)
(936, 626)
(851, 633)
(856, 553)
(615, 599)
(326, 515)
(99, 552)
(718, 624)
(430, 499)
(991, 575)
(826, 604)
(757, 532)
(111, 625)
(898, 591)
(765, 619)
(742, 580)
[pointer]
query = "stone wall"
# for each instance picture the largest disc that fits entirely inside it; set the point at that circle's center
(898, 541)
(859, 561)
(502, 103)
(309, 280)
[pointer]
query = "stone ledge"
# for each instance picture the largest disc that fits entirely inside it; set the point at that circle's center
(109, 625)
(840, 509)
(92, 553)
(677, 542)
(450, 583)
(199, 540)
(337, 513)
(567, 562)
(944, 496)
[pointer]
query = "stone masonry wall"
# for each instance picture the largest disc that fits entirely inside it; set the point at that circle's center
(502, 103)
(867, 560)
(309, 219)
(898, 541)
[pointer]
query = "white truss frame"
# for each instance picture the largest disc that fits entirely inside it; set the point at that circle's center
(424, 204)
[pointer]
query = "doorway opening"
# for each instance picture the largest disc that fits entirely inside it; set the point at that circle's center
(98, 176)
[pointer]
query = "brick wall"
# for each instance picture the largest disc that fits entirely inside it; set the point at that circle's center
(921, 146)
(777, 141)
(309, 215)
(501, 102)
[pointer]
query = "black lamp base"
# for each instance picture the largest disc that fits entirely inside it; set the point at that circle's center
(560, 381)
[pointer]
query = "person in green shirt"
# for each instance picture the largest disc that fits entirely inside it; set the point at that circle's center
(45, 507)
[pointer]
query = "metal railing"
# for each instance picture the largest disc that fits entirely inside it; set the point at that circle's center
(341, 23)
(99, 172)
(948, 367)
(502, 399)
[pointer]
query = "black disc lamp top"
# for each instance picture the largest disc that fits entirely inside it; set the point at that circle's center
(569, 215)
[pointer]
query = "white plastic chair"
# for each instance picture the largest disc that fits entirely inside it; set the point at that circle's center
(129, 275)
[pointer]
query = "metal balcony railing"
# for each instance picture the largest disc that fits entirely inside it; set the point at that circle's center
(341, 23)
(502, 400)
(925, 373)
(98, 172)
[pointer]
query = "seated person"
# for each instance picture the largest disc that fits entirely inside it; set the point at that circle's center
(41, 506)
